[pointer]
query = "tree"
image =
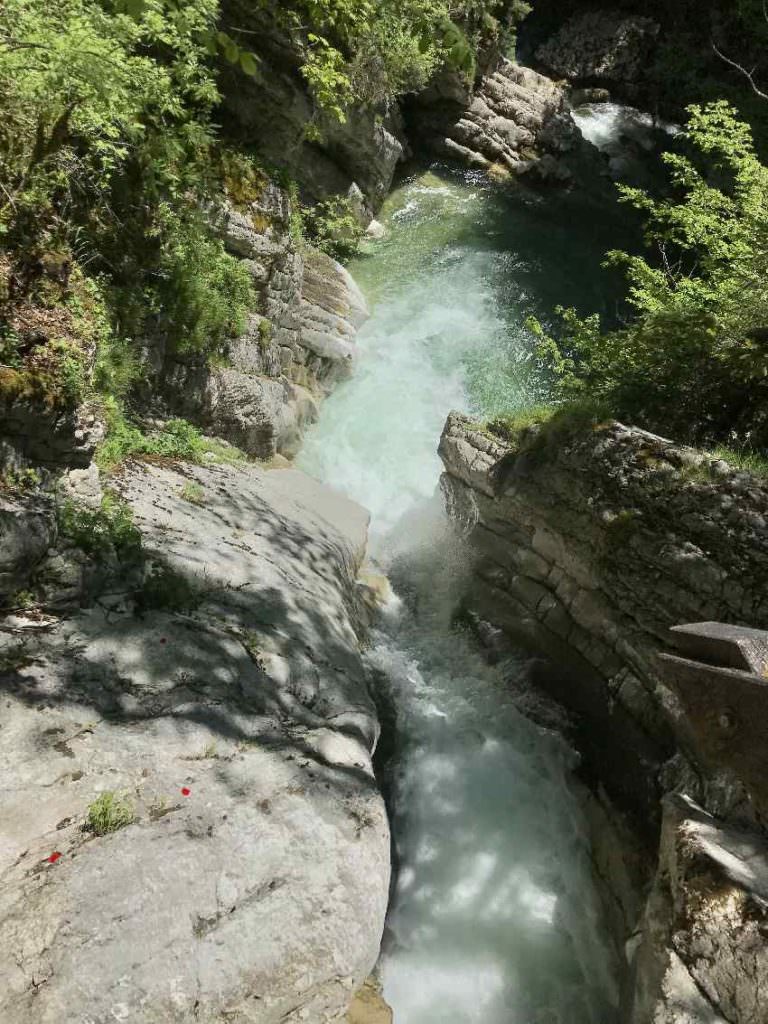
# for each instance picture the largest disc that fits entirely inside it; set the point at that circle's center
(694, 360)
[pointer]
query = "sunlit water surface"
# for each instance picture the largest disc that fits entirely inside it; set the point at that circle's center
(494, 917)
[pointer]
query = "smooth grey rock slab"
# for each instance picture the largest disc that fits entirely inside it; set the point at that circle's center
(259, 895)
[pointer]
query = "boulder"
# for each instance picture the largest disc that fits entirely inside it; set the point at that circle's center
(259, 414)
(242, 868)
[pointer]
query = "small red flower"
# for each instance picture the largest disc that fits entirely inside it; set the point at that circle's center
(162, 639)
(54, 857)
(185, 791)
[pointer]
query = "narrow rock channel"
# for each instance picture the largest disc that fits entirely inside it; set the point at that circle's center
(494, 916)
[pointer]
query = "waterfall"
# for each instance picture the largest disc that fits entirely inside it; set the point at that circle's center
(494, 917)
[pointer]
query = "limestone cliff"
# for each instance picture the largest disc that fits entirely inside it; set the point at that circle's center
(298, 343)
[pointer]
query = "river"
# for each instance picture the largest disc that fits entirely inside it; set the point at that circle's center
(494, 915)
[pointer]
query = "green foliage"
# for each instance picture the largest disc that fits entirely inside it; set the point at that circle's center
(366, 50)
(22, 600)
(108, 813)
(101, 531)
(242, 177)
(333, 227)
(207, 292)
(296, 225)
(105, 163)
(178, 440)
(265, 333)
(48, 336)
(511, 425)
(743, 458)
(85, 99)
(19, 481)
(543, 427)
(694, 360)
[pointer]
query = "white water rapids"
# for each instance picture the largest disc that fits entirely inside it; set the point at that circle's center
(494, 917)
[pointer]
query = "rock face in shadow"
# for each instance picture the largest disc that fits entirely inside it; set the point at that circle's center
(590, 543)
(298, 343)
(220, 694)
(51, 438)
(600, 47)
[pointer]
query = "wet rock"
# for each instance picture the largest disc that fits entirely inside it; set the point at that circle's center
(369, 1006)
(375, 230)
(332, 310)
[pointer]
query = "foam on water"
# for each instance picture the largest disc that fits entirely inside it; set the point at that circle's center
(609, 125)
(494, 917)
(377, 436)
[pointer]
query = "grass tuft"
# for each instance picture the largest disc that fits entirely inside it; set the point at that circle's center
(108, 813)
(193, 493)
(743, 458)
(540, 426)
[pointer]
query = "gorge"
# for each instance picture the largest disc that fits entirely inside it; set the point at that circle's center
(338, 674)
(494, 917)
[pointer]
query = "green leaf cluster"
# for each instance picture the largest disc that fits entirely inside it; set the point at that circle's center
(333, 227)
(178, 440)
(106, 169)
(108, 529)
(693, 360)
(364, 51)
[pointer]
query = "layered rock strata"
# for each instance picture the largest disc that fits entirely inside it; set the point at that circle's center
(215, 694)
(515, 122)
